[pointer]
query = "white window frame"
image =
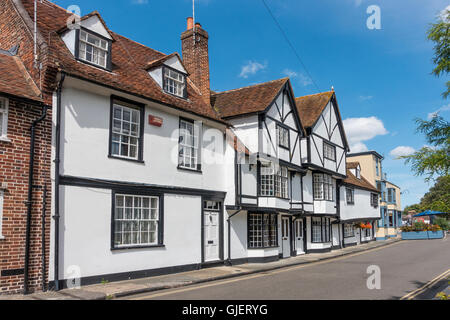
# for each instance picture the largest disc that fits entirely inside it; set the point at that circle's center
(329, 151)
(274, 181)
(349, 230)
(4, 106)
(263, 230)
(126, 131)
(97, 49)
(174, 82)
(283, 136)
(350, 195)
(136, 208)
(323, 187)
(2, 195)
(189, 145)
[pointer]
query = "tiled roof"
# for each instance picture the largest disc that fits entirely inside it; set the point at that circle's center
(129, 62)
(310, 107)
(246, 100)
(15, 80)
(352, 165)
(359, 183)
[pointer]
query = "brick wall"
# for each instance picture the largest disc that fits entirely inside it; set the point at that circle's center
(196, 59)
(14, 164)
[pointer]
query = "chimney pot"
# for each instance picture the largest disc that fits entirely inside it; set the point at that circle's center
(190, 23)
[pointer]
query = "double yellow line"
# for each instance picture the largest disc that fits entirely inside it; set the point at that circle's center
(422, 289)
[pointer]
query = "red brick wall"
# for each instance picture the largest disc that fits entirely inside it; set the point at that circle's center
(196, 60)
(14, 164)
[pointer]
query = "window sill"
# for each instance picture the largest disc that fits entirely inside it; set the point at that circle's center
(138, 247)
(258, 248)
(190, 170)
(2, 237)
(126, 159)
(5, 139)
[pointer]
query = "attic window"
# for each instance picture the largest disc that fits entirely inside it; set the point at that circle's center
(94, 49)
(174, 82)
(358, 173)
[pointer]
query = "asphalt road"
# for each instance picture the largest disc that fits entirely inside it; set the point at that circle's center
(404, 267)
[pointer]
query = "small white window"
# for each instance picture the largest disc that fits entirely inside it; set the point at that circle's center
(350, 193)
(3, 118)
(349, 231)
(188, 145)
(329, 151)
(93, 49)
(1, 213)
(174, 82)
(283, 137)
(126, 133)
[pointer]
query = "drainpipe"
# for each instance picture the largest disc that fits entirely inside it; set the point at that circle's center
(229, 236)
(57, 162)
(44, 213)
(30, 199)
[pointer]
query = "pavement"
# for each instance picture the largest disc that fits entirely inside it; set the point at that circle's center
(127, 288)
(406, 270)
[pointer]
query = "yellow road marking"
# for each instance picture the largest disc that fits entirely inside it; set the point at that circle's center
(268, 273)
(416, 292)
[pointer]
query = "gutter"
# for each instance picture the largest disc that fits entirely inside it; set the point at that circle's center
(56, 217)
(30, 200)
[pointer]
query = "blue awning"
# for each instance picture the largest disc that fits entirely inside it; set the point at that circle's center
(429, 213)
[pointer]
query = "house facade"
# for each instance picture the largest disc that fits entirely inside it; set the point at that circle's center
(142, 170)
(390, 194)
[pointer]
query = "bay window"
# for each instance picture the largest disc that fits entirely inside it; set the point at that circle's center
(136, 221)
(262, 230)
(323, 187)
(274, 181)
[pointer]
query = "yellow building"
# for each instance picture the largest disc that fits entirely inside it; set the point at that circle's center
(390, 197)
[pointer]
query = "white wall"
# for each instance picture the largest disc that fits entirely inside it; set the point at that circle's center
(361, 209)
(85, 141)
(86, 237)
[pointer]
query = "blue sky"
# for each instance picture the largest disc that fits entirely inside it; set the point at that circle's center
(381, 77)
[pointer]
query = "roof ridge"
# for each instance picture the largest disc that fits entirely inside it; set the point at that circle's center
(251, 86)
(314, 94)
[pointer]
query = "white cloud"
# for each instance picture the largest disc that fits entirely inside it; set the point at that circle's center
(302, 79)
(431, 115)
(358, 3)
(443, 14)
(251, 68)
(365, 98)
(139, 1)
(402, 151)
(359, 130)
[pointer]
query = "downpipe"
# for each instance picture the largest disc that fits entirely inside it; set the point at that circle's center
(29, 202)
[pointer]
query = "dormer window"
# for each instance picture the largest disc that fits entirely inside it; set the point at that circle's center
(358, 173)
(94, 49)
(174, 82)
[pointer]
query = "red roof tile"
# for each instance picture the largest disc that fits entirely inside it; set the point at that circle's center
(246, 100)
(311, 107)
(359, 183)
(129, 61)
(352, 165)
(15, 80)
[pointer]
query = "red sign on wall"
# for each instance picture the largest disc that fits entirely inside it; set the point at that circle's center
(155, 121)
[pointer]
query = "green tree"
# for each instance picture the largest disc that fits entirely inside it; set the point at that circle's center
(414, 207)
(439, 33)
(433, 160)
(438, 197)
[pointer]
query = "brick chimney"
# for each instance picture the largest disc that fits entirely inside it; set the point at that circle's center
(196, 57)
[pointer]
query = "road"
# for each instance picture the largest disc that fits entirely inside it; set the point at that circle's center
(404, 267)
